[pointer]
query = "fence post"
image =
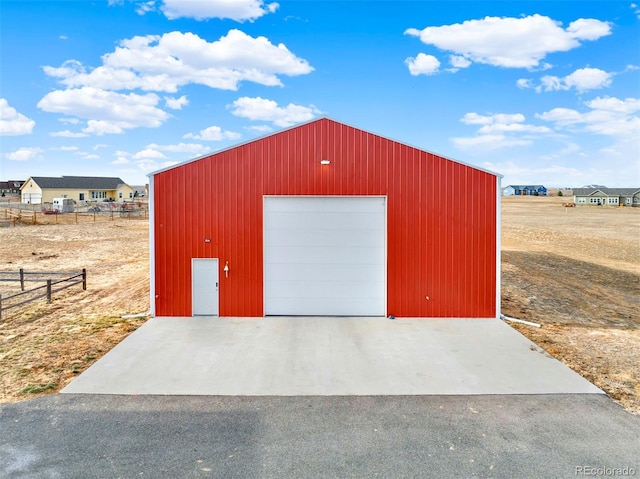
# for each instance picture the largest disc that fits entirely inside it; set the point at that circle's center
(21, 279)
(48, 291)
(84, 279)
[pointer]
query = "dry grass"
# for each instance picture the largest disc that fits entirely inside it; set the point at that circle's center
(576, 271)
(43, 347)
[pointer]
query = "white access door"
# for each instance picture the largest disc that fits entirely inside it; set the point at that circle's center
(204, 286)
(325, 256)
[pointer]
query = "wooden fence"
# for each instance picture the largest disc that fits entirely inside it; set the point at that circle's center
(18, 215)
(64, 279)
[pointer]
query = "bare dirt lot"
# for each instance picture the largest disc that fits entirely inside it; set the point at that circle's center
(575, 270)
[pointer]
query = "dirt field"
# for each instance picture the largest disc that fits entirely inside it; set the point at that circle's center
(575, 270)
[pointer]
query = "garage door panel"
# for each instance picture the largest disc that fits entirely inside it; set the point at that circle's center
(325, 307)
(325, 256)
(341, 204)
(320, 237)
(363, 289)
(324, 272)
(284, 220)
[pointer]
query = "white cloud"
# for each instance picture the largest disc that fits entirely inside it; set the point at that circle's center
(68, 134)
(148, 165)
(459, 61)
(107, 111)
(259, 128)
(102, 127)
(149, 158)
(498, 131)
(262, 109)
(511, 42)
(582, 80)
(91, 157)
(176, 103)
(167, 62)
(239, 10)
(524, 83)
(145, 7)
(214, 133)
(422, 64)
(65, 148)
(476, 119)
(488, 142)
(193, 148)
(24, 154)
(607, 116)
(149, 153)
(72, 121)
(521, 172)
(569, 150)
(13, 123)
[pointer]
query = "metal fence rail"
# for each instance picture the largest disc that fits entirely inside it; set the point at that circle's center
(46, 290)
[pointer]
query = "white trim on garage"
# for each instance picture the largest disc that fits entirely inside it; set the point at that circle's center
(152, 247)
(325, 255)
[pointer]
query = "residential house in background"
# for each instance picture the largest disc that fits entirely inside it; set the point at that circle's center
(83, 189)
(603, 196)
(10, 188)
(525, 190)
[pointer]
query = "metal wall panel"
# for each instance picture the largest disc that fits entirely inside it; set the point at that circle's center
(441, 218)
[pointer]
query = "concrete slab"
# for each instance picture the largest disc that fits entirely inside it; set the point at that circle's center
(295, 356)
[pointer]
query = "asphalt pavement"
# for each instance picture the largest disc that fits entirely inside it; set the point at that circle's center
(506, 436)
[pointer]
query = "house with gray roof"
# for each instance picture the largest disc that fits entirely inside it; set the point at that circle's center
(82, 189)
(10, 188)
(602, 196)
(525, 190)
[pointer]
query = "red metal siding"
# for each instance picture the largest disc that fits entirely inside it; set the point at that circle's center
(441, 218)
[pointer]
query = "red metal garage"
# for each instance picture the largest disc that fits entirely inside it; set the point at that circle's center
(324, 219)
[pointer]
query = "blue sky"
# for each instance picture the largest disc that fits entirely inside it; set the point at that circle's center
(542, 92)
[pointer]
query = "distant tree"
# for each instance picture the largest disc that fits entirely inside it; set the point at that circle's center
(560, 193)
(3, 194)
(535, 193)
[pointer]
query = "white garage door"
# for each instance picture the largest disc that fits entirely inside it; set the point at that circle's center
(325, 256)
(32, 198)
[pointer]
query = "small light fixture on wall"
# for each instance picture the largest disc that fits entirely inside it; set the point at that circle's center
(325, 162)
(226, 270)
(207, 240)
